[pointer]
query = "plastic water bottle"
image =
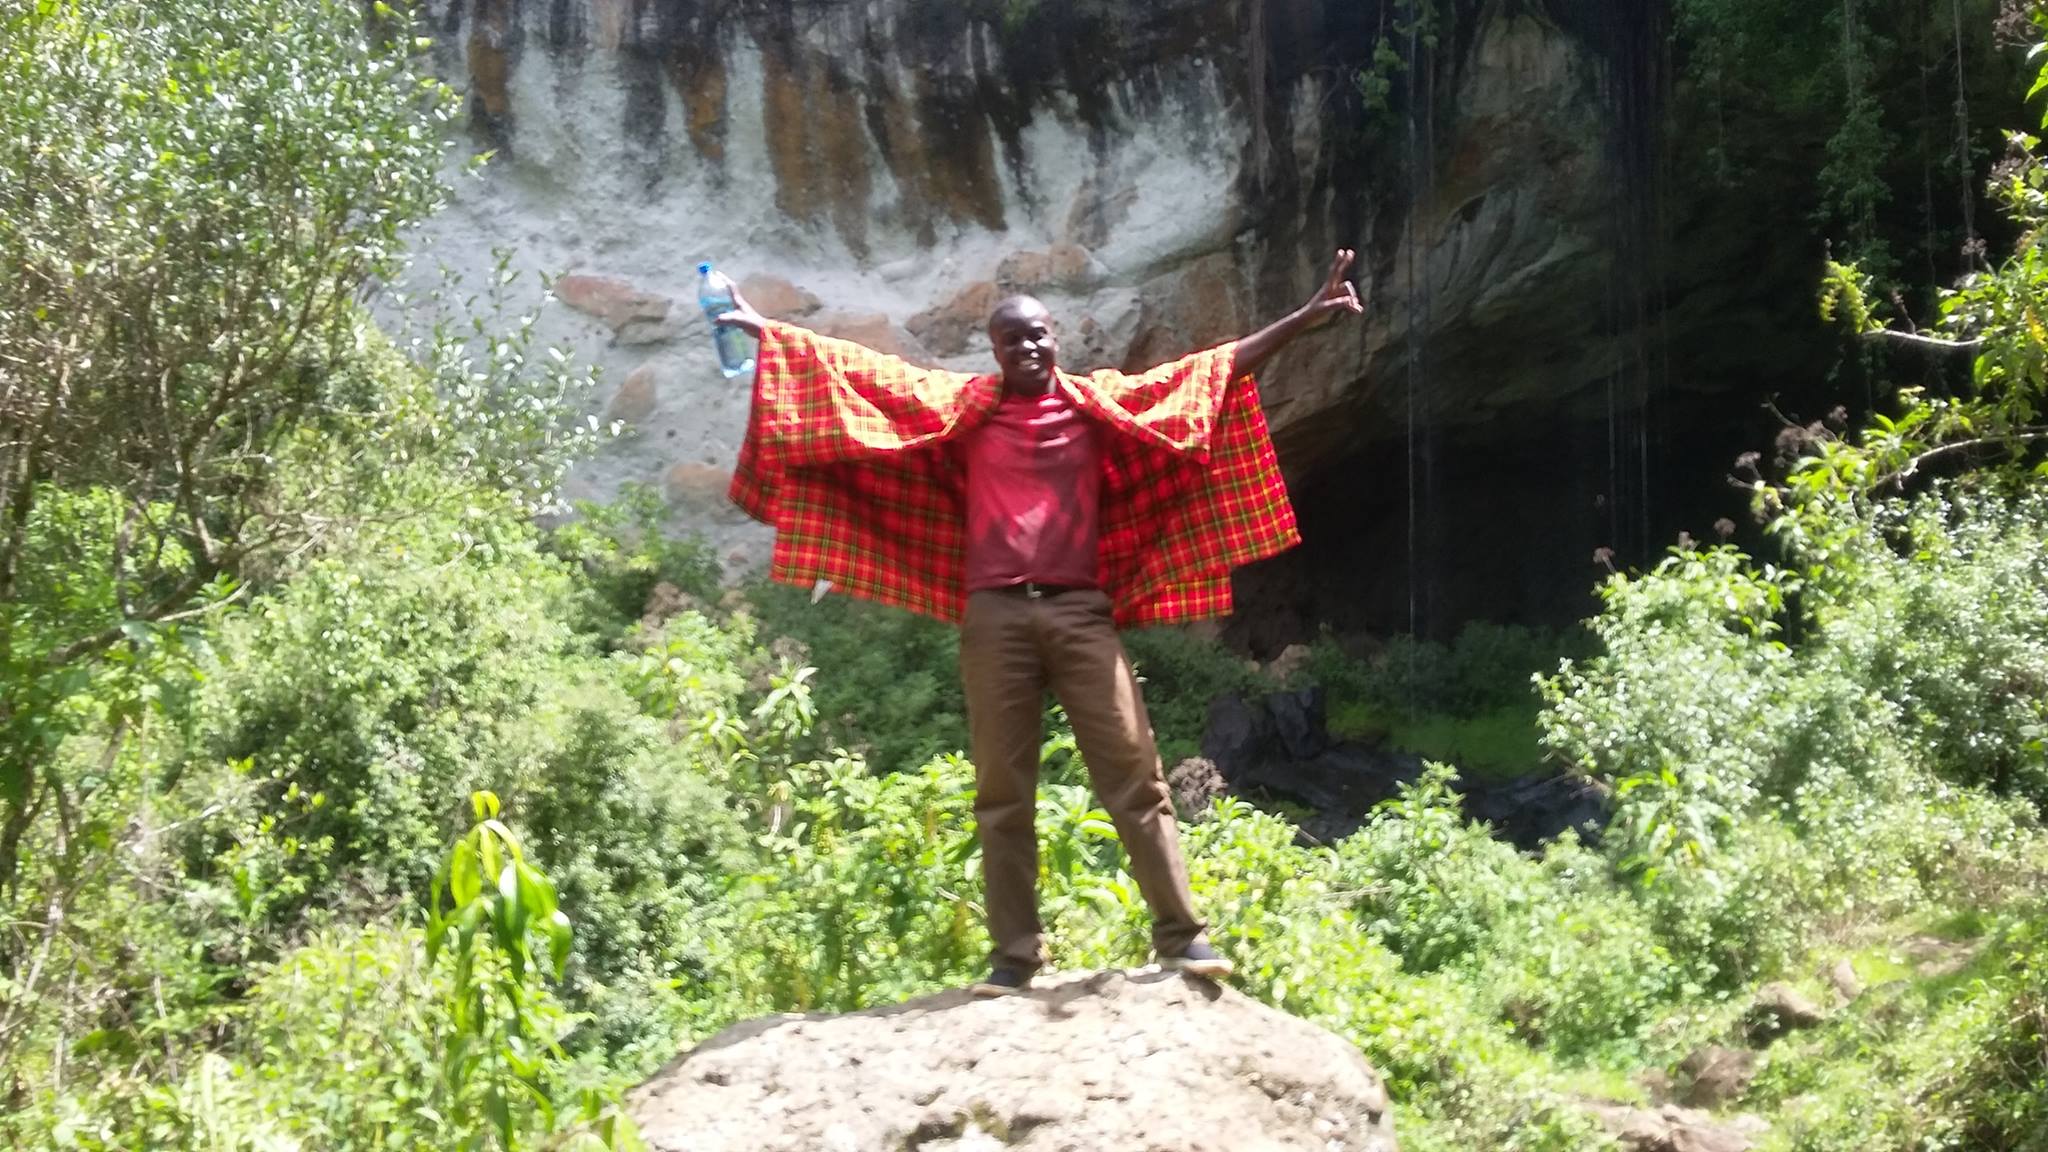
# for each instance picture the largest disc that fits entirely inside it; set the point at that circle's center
(714, 295)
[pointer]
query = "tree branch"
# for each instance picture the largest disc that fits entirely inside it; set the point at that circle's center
(2018, 436)
(168, 607)
(1920, 341)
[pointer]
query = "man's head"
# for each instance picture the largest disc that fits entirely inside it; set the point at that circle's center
(1020, 331)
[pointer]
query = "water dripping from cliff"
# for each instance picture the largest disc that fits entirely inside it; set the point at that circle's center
(1419, 403)
(1502, 440)
(1629, 46)
(1632, 40)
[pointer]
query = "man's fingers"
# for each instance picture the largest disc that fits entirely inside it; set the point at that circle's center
(1339, 266)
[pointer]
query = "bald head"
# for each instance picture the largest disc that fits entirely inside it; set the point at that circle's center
(1020, 332)
(1017, 309)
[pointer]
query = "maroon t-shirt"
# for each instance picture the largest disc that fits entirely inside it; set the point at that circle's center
(1034, 483)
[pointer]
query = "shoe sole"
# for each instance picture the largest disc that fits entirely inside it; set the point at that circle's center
(1216, 969)
(995, 991)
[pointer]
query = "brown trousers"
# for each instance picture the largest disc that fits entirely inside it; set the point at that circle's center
(1013, 647)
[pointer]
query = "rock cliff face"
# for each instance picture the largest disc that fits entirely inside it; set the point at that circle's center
(1085, 1061)
(1166, 174)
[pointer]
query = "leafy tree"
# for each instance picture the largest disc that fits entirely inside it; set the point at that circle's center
(193, 199)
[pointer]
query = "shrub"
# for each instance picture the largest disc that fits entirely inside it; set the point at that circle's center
(894, 692)
(624, 549)
(367, 691)
(643, 847)
(1994, 1092)
(1183, 671)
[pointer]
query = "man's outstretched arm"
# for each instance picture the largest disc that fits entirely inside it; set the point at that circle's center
(1336, 295)
(878, 369)
(839, 388)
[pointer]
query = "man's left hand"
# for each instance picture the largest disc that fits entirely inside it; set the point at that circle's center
(1337, 294)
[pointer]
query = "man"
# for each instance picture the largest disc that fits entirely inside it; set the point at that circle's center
(1040, 511)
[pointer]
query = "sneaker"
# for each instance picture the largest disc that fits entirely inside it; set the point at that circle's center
(1198, 959)
(1002, 982)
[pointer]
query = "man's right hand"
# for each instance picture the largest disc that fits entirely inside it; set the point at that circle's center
(742, 316)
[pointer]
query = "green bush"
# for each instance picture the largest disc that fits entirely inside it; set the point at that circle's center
(894, 692)
(642, 847)
(624, 550)
(369, 690)
(1183, 671)
(1468, 702)
(1995, 1091)
(1951, 618)
(1743, 763)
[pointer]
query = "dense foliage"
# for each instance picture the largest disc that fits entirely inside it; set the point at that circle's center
(355, 810)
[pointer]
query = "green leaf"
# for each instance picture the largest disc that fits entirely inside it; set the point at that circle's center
(500, 1112)
(536, 892)
(560, 937)
(465, 882)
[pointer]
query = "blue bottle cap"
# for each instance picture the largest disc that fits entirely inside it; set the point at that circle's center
(704, 269)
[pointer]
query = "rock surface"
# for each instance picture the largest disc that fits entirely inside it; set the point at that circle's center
(1166, 174)
(1085, 1061)
(1278, 745)
(638, 395)
(614, 300)
(873, 330)
(1162, 178)
(700, 488)
(1841, 976)
(1675, 1129)
(778, 299)
(1780, 1008)
(1196, 784)
(953, 326)
(1716, 1075)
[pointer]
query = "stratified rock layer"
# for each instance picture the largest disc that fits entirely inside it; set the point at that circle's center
(1166, 174)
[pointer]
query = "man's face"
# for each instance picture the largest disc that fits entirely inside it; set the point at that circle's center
(1026, 348)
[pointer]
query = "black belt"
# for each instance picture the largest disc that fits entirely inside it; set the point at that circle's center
(1036, 591)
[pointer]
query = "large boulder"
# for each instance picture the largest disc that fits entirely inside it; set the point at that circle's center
(1278, 746)
(1108, 1061)
(638, 396)
(778, 299)
(612, 299)
(1531, 810)
(1675, 1129)
(952, 326)
(1778, 1009)
(872, 330)
(1715, 1075)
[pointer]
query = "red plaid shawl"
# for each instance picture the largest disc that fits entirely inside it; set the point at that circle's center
(842, 457)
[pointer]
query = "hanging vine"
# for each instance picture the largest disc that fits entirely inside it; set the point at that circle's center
(1852, 181)
(1854, 83)
(1413, 25)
